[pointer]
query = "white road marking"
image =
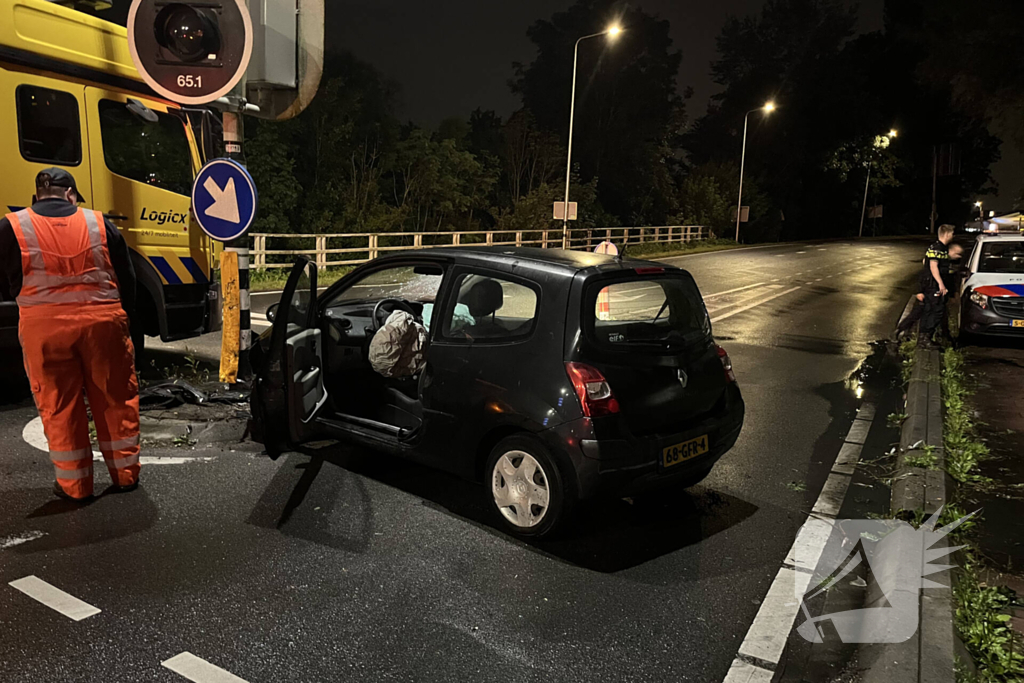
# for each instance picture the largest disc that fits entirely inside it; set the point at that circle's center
(801, 252)
(742, 672)
(34, 436)
(199, 670)
(819, 279)
(766, 638)
(26, 537)
(753, 305)
(54, 598)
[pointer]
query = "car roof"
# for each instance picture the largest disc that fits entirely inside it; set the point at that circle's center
(1011, 237)
(567, 262)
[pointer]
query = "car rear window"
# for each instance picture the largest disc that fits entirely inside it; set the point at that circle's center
(654, 313)
(1002, 257)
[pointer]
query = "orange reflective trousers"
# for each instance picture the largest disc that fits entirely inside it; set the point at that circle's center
(75, 340)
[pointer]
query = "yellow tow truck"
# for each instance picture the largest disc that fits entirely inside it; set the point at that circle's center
(71, 97)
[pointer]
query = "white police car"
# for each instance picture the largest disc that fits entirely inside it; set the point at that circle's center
(992, 293)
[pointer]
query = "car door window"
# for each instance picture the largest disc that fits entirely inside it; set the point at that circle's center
(489, 308)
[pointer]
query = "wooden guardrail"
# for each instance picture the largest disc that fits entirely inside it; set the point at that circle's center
(345, 249)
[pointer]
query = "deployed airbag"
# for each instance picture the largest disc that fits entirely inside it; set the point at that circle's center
(398, 349)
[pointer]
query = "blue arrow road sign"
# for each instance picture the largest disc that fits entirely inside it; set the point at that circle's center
(224, 199)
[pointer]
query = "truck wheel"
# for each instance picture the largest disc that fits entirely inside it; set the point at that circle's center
(532, 496)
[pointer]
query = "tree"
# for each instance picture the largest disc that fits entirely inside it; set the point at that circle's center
(628, 111)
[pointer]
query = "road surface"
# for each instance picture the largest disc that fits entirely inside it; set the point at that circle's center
(360, 567)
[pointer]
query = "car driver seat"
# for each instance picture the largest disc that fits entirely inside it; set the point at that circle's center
(483, 299)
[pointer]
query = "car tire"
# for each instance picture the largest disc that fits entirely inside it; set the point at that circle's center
(509, 469)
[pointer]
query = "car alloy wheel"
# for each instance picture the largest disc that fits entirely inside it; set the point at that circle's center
(521, 489)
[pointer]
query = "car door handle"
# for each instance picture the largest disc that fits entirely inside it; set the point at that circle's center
(115, 216)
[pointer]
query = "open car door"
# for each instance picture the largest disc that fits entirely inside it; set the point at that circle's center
(289, 386)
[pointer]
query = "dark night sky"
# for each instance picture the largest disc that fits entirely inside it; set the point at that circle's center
(450, 57)
(453, 56)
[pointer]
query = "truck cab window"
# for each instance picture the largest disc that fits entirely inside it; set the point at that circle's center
(157, 154)
(48, 126)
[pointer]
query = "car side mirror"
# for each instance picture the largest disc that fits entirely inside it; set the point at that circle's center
(272, 312)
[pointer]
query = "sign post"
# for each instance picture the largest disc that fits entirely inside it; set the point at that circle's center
(224, 201)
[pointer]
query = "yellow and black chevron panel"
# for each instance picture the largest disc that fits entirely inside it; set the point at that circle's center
(179, 270)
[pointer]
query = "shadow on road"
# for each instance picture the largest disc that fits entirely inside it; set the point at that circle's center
(607, 536)
(328, 506)
(70, 525)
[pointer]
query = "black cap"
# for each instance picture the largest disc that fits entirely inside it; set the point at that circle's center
(58, 177)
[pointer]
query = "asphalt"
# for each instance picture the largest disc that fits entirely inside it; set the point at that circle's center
(352, 566)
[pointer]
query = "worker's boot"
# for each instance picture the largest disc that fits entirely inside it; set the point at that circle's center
(60, 493)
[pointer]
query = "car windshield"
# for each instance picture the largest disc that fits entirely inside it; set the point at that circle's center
(656, 313)
(1002, 257)
(402, 282)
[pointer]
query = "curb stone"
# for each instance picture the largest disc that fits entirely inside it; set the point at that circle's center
(930, 655)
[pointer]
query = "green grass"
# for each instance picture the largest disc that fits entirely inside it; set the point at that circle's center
(983, 622)
(656, 250)
(925, 459)
(273, 279)
(964, 449)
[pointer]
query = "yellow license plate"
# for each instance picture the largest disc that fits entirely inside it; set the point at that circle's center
(1018, 323)
(687, 450)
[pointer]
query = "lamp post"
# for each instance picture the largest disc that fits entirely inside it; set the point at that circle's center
(981, 211)
(768, 108)
(611, 32)
(867, 181)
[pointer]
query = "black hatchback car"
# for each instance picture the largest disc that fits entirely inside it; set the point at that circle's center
(550, 376)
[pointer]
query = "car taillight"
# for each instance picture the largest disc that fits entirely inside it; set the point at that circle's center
(592, 389)
(726, 363)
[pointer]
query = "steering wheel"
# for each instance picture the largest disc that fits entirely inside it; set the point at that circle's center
(394, 304)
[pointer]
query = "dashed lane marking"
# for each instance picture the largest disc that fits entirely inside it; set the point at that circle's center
(732, 291)
(34, 436)
(199, 670)
(741, 309)
(766, 638)
(54, 598)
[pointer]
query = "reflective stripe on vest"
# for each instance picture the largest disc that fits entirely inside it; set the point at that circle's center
(40, 287)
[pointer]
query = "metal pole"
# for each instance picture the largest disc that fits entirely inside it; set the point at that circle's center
(864, 208)
(568, 161)
(743, 161)
(233, 147)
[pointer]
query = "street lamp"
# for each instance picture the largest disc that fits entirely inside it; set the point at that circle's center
(612, 32)
(768, 108)
(867, 181)
(981, 210)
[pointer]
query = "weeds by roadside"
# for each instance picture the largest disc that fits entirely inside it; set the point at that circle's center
(664, 250)
(964, 450)
(907, 350)
(272, 279)
(896, 420)
(926, 459)
(983, 621)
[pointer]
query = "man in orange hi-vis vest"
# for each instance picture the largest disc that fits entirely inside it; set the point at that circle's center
(71, 274)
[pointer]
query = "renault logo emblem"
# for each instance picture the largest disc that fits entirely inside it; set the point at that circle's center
(683, 379)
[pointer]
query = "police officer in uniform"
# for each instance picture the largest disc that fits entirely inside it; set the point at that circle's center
(936, 282)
